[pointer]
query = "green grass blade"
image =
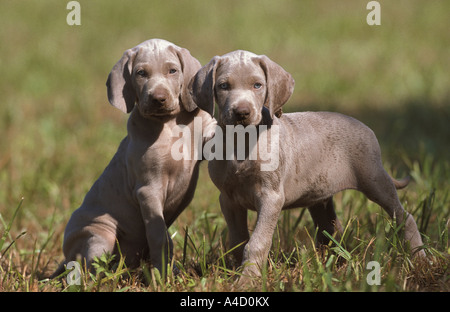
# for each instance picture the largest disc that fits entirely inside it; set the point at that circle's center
(339, 249)
(8, 228)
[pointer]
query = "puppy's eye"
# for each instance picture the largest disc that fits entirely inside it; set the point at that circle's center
(224, 86)
(141, 72)
(172, 71)
(257, 85)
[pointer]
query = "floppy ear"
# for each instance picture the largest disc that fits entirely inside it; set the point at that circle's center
(121, 93)
(202, 86)
(189, 65)
(280, 85)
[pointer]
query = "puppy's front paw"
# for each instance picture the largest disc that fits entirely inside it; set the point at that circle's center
(210, 130)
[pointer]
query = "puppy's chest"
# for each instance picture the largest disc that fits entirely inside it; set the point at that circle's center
(237, 180)
(155, 164)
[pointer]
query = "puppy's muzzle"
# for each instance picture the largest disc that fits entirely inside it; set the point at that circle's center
(241, 113)
(158, 102)
(159, 97)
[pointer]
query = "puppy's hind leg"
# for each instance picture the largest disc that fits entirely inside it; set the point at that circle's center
(381, 189)
(85, 245)
(325, 219)
(60, 270)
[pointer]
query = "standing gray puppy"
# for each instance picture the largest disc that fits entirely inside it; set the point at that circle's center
(318, 155)
(143, 189)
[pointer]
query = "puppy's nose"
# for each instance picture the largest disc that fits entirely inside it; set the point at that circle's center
(159, 97)
(241, 112)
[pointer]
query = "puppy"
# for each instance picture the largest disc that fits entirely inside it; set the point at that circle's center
(317, 155)
(143, 189)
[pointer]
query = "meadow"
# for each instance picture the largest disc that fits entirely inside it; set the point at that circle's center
(58, 132)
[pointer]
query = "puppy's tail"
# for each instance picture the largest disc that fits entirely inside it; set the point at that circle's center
(399, 184)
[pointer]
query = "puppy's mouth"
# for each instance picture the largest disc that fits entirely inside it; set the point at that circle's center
(223, 122)
(159, 112)
(245, 122)
(235, 120)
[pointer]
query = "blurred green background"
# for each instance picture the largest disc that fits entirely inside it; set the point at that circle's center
(58, 131)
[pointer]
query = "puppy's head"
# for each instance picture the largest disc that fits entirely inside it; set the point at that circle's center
(153, 75)
(243, 85)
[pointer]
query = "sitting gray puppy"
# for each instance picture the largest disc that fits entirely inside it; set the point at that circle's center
(319, 154)
(143, 189)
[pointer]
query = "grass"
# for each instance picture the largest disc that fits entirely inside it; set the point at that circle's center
(59, 132)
